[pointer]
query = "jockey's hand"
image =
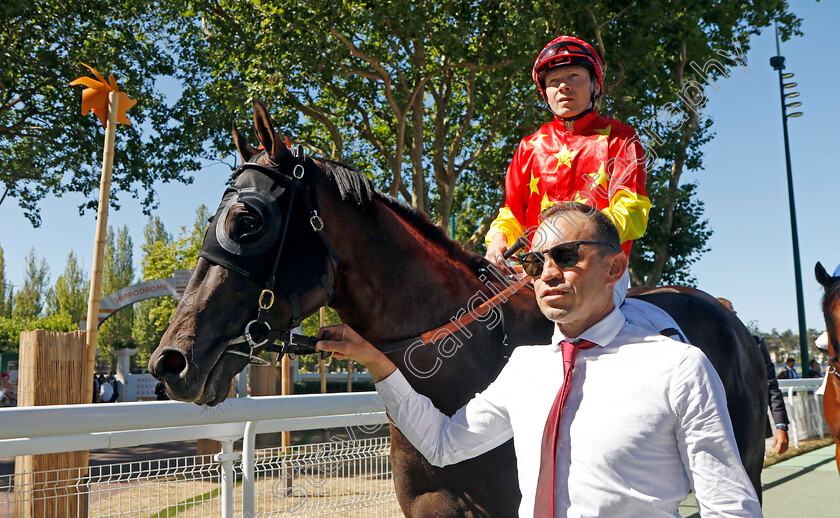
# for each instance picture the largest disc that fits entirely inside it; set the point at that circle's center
(342, 341)
(498, 246)
(780, 441)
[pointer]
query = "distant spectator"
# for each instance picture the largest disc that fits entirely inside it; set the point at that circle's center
(815, 371)
(96, 387)
(788, 372)
(115, 386)
(106, 390)
(8, 394)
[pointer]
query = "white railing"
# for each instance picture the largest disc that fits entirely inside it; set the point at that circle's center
(293, 475)
(804, 408)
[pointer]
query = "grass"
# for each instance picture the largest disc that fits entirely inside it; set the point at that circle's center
(805, 446)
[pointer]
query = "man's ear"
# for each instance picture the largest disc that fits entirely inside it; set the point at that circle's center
(618, 265)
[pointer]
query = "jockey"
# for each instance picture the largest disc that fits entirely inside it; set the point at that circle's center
(578, 156)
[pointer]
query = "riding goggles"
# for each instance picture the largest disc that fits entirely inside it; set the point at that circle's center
(564, 255)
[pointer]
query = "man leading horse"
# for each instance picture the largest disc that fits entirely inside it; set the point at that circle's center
(607, 420)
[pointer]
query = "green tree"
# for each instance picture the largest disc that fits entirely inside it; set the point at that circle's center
(117, 273)
(46, 145)
(70, 293)
(658, 83)
(430, 99)
(6, 290)
(146, 334)
(785, 344)
(29, 301)
(10, 328)
(415, 94)
(162, 258)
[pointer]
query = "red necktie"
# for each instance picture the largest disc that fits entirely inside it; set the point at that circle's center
(544, 503)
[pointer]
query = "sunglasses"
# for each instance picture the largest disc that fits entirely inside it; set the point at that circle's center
(564, 255)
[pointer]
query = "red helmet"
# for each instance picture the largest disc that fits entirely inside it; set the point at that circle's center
(567, 50)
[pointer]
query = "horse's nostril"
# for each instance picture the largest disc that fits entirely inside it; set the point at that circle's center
(172, 362)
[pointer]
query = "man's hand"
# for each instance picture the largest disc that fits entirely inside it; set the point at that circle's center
(498, 246)
(780, 441)
(346, 343)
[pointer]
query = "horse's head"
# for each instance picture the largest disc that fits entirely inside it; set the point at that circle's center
(263, 258)
(831, 306)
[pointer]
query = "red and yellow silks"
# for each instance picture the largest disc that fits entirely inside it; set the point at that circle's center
(95, 97)
(598, 161)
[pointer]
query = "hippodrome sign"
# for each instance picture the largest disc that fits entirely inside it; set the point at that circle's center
(173, 286)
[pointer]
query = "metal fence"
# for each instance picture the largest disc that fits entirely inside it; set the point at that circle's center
(343, 477)
(804, 408)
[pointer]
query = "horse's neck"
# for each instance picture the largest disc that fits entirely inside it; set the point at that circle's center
(396, 282)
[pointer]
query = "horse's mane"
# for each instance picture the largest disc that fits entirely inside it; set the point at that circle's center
(358, 188)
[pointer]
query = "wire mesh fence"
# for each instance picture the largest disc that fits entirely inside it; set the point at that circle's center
(349, 478)
(163, 487)
(339, 478)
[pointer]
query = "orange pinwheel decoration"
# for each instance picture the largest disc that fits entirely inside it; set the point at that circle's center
(95, 97)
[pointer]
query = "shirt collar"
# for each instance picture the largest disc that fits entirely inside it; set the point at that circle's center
(580, 125)
(602, 333)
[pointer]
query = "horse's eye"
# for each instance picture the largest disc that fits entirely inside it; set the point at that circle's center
(244, 225)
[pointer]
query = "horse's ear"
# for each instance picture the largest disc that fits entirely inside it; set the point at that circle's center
(246, 150)
(822, 275)
(270, 140)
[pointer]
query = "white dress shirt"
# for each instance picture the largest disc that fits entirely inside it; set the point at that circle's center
(645, 420)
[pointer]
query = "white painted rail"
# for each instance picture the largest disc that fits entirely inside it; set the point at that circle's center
(63, 428)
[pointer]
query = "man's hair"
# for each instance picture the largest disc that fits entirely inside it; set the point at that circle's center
(602, 227)
(790, 360)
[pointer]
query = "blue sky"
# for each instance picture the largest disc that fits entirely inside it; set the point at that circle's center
(743, 185)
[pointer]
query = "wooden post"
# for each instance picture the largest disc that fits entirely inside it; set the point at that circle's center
(99, 243)
(51, 373)
(322, 368)
(286, 390)
(351, 367)
(322, 363)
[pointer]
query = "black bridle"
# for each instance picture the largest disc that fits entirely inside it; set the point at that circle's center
(258, 334)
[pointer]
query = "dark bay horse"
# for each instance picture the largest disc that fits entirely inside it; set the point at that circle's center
(831, 311)
(391, 274)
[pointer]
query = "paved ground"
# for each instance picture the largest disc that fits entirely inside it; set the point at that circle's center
(806, 486)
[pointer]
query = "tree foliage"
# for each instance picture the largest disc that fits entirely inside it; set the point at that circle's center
(69, 296)
(46, 145)
(785, 344)
(430, 99)
(163, 257)
(29, 301)
(10, 328)
(117, 273)
(7, 291)
(145, 332)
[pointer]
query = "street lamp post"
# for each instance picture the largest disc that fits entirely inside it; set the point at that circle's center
(778, 63)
